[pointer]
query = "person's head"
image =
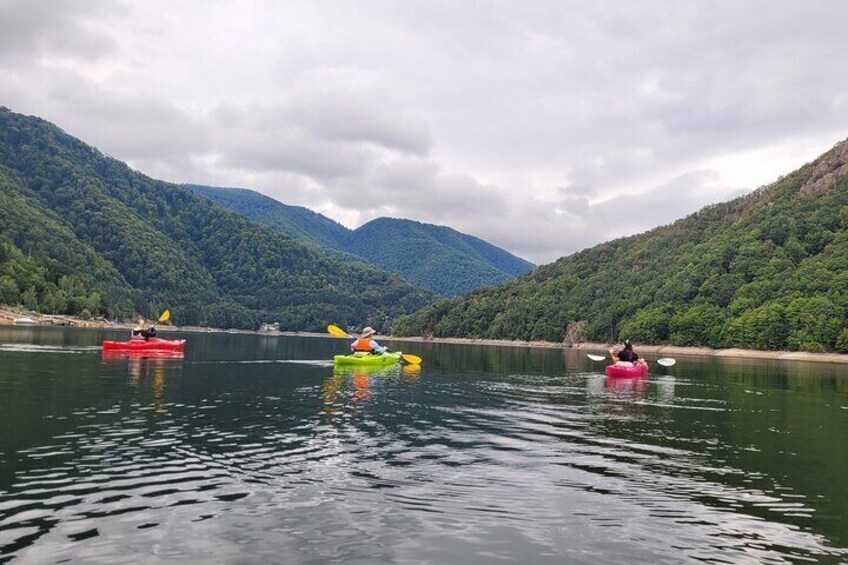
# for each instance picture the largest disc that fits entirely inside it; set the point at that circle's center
(141, 321)
(367, 332)
(627, 345)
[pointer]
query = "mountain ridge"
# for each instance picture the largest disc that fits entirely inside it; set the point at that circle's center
(439, 258)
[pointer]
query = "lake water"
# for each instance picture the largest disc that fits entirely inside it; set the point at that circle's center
(252, 449)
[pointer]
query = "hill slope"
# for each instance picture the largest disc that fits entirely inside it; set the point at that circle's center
(295, 221)
(767, 271)
(43, 265)
(142, 244)
(440, 258)
(436, 257)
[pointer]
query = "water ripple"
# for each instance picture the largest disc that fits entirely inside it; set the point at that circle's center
(391, 468)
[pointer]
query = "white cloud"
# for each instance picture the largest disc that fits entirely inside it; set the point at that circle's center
(528, 124)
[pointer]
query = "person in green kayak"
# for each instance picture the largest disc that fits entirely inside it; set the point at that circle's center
(142, 331)
(365, 344)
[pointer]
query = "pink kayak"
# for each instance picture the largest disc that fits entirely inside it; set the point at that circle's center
(627, 370)
(152, 344)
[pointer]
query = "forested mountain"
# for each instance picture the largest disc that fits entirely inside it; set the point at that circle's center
(436, 257)
(439, 258)
(296, 221)
(44, 266)
(766, 271)
(84, 232)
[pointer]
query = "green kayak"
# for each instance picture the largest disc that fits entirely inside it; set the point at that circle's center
(368, 359)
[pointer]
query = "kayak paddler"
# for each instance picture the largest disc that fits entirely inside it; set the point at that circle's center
(365, 344)
(142, 331)
(625, 355)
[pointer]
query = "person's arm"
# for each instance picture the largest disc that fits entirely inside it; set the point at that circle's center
(613, 355)
(377, 347)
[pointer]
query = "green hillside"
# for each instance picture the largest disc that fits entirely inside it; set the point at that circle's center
(295, 221)
(120, 242)
(473, 247)
(442, 259)
(44, 266)
(765, 271)
(436, 257)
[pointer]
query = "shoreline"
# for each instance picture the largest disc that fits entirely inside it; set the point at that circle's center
(652, 350)
(9, 314)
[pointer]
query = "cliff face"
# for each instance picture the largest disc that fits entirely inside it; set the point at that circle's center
(828, 170)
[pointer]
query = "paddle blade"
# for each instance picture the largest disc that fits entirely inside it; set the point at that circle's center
(412, 359)
(666, 361)
(337, 331)
(166, 315)
(595, 357)
(411, 369)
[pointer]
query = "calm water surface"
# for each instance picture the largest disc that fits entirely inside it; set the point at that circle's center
(253, 450)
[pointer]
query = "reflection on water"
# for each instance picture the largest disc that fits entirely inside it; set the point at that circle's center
(256, 450)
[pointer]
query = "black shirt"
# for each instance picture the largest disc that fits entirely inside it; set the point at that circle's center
(627, 355)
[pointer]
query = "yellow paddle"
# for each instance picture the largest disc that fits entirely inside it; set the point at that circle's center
(338, 332)
(411, 359)
(166, 315)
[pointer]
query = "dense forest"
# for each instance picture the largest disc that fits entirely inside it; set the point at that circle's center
(295, 221)
(442, 259)
(439, 258)
(764, 271)
(84, 234)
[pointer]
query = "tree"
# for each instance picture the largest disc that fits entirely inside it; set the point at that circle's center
(703, 324)
(761, 328)
(8, 291)
(814, 323)
(649, 325)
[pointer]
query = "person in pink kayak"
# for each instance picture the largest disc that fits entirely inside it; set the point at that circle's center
(625, 355)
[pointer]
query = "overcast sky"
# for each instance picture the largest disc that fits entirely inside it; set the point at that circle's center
(543, 127)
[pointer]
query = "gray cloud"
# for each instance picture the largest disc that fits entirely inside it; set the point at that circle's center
(531, 125)
(415, 188)
(547, 230)
(61, 28)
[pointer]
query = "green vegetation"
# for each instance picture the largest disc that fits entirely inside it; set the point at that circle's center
(436, 257)
(295, 221)
(84, 234)
(439, 258)
(765, 271)
(43, 266)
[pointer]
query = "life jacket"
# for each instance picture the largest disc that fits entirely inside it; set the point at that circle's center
(363, 344)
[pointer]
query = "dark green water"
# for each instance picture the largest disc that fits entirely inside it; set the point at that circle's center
(252, 450)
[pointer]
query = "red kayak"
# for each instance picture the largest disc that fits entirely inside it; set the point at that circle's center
(152, 344)
(627, 370)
